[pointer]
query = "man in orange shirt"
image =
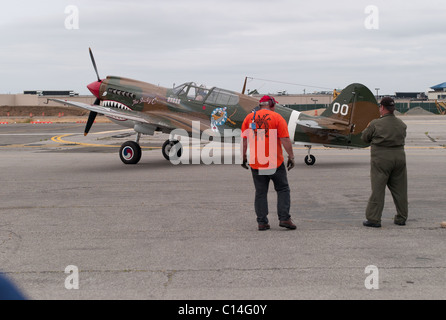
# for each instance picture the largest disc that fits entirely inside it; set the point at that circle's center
(266, 131)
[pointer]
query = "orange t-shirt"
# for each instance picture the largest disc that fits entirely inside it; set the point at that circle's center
(265, 148)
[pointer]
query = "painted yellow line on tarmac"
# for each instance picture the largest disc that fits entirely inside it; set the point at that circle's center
(60, 139)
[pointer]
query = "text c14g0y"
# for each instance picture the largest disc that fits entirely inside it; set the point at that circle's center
(225, 310)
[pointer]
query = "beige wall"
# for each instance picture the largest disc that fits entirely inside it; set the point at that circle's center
(18, 100)
(12, 100)
(43, 101)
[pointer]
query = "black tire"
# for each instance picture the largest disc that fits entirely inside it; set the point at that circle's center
(172, 150)
(310, 160)
(130, 152)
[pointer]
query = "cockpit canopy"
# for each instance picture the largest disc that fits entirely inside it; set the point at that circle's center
(193, 92)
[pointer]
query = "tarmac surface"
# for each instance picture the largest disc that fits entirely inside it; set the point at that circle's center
(69, 207)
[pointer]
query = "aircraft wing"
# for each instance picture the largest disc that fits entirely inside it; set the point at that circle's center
(114, 113)
(149, 120)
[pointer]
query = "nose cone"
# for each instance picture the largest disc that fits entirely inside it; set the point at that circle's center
(94, 88)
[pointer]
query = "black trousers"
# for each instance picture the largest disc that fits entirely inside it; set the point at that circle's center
(261, 184)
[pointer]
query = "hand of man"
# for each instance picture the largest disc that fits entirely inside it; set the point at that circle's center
(290, 164)
(245, 164)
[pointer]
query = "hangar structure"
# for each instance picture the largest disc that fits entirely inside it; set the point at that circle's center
(438, 93)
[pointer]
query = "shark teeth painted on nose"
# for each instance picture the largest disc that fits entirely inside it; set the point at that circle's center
(115, 104)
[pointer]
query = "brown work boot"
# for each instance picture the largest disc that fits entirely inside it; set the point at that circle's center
(287, 224)
(263, 227)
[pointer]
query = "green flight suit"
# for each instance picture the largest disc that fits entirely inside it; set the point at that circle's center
(386, 136)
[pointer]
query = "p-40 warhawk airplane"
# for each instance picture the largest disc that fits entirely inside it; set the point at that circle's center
(148, 108)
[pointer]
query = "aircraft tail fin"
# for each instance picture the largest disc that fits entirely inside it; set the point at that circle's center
(355, 107)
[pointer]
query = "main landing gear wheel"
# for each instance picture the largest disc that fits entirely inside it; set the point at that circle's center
(130, 152)
(172, 150)
(310, 160)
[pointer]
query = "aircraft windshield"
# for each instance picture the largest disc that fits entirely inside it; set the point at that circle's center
(201, 93)
(191, 91)
(180, 90)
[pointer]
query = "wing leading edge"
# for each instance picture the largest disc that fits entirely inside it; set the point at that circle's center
(109, 112)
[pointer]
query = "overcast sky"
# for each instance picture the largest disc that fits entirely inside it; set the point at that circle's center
(306, 45)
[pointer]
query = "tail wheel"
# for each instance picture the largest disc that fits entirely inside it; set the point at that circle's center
(172, 150)
(130, 152)
(310, 160)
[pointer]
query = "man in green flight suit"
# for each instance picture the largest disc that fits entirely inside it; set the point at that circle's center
(386, 136)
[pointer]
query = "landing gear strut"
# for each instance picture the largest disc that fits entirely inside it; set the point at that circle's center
(309, 159)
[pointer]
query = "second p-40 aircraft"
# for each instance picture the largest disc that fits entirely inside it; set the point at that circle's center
(148, 108)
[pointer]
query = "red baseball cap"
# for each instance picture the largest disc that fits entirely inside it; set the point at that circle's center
(267, 99)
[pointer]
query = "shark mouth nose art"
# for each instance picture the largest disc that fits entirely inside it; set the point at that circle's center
(115, 104)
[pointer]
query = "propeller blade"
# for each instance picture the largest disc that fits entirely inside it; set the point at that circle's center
(91, 118)
(90, 121)
(94, 64)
